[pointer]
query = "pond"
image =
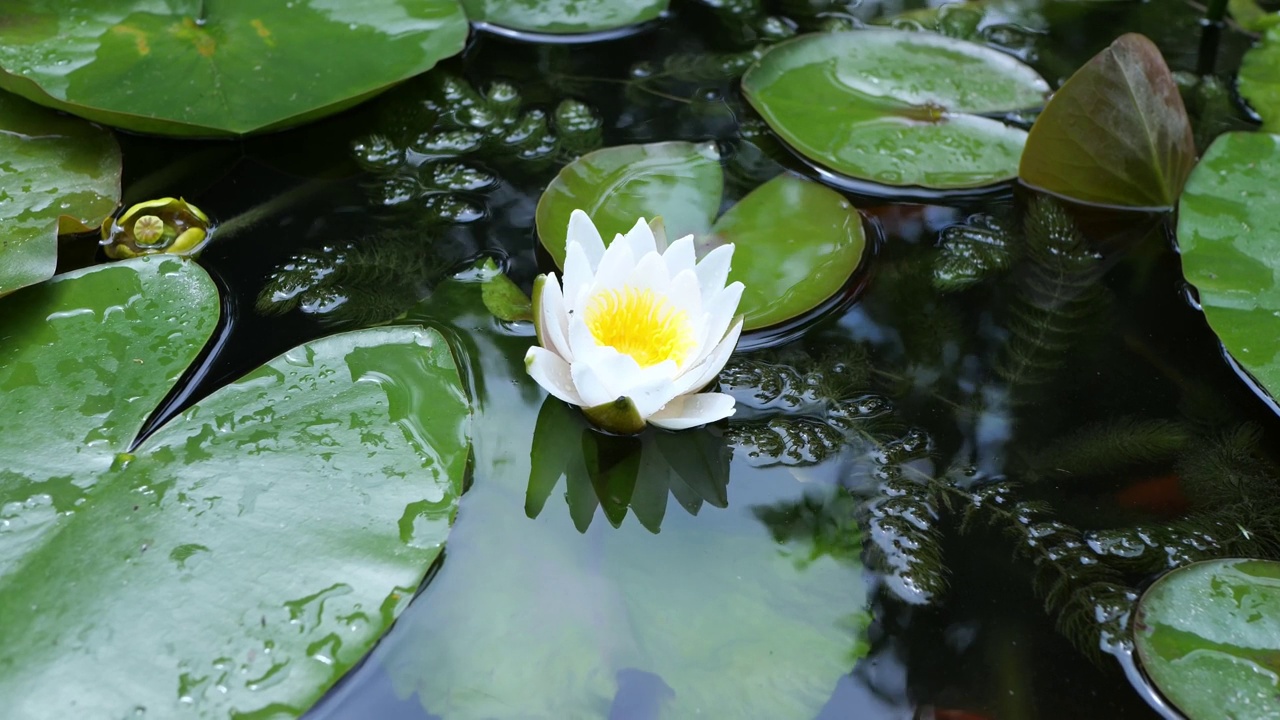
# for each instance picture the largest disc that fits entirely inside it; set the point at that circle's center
(974, 422)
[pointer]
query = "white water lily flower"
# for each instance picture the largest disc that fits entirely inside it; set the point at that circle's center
(637, 329)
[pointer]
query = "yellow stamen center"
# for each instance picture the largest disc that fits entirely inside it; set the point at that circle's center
(641, 324)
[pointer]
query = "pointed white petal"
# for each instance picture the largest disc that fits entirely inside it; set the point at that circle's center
(705, 372)
(713, 270)
(553, 321)
(615, 267)
(680, 255)
(649, 273)
(688, 411)
(640, 239)
(583, 232)
(602, 374)
(578, 274)
(720, 311)
(553, 374)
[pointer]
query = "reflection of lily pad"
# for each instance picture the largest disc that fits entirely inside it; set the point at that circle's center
(797, 242)
(194, 68)
(57, 175)
(896, 107)
(247, 553)
(564, 16)
(1228, 222)
(1208, 635)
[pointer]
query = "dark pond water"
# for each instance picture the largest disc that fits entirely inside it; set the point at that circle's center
(549, 610)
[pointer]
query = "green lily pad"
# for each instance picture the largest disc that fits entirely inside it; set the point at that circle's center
(1208, 635)
(58, 175)
(896, 107)
(797, 242)
(1228, 222)
(1116, 133)
(1259, 79)
(564, 16)
(247, 553)
(186, 67)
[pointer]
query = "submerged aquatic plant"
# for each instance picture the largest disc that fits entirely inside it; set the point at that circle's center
(637, 329)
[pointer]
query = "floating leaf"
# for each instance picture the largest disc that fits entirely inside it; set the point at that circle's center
(246, 554)
(58, 175)
(1228, 222)
(502, 297)
(564, 16)
(1208, 635)
(797, 242)
(1116, 133)
(1259, 79)
(896, 107)
(193, 68)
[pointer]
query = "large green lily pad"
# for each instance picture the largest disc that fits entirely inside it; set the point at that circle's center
(797, 242)
(231, 67)
(1259, 80)
(1228, 223)
(246, 554)
(1116, 133)
(1208, 635)
(896, 107)
(562, 17)
(57, 175)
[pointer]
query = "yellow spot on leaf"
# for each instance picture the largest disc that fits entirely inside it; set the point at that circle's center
(197, 36)
(263, 32)
(642, 324)
(139, 38)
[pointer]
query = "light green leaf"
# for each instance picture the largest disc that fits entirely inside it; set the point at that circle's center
(1228, 222)
(564, 16)
(1208, 635)
(246, 554)
(896, 107)
(186, 67)
(57, 174)
(1116, 133)
(1259, 78)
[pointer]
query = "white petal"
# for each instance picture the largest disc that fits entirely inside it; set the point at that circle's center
(702, 374)
(578, 274)
(688, 411)
(719, 313)
(680, 255)
(583, 232)
(553, 374)
(602, 374)
(554, 323)
(615, 268)
(640, 239)
(649, 273)
(713, 270)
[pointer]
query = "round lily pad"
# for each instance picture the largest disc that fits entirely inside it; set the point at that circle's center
(895, 107)
(1208, 635)
(229, 68)
(564, 17)
(58, 175)
(1228, 222)
(797, 242)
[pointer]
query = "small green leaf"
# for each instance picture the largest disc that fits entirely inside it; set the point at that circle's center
(247, 553)
(1208, 635)
(1116, 133)
(564, 16)
(501, 296)
(895, 107)
(679, 181)
(1259, 79)
(1228, 222)
(192, 68)
(58, 174)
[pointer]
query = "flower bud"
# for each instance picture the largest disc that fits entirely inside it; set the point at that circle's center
(168, 225)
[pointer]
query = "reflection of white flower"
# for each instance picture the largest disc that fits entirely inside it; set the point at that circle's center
(637, 329)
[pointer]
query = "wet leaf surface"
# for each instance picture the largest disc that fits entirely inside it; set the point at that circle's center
(1228, 222)
(201, 69)
(1208, 635)
(797, 243)
(57, 174)
(247, 553)
(1259, 79)
(895, 107)
(564, 16)
(1116, 133)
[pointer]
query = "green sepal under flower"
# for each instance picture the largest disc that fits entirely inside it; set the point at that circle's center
(619, 417)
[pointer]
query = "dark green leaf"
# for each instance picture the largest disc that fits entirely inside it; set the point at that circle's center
(1228, 222)
(896, 107)
(1116, 133)
(58, 174)
(564, 16)
(187, 67)
(1259, 79)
